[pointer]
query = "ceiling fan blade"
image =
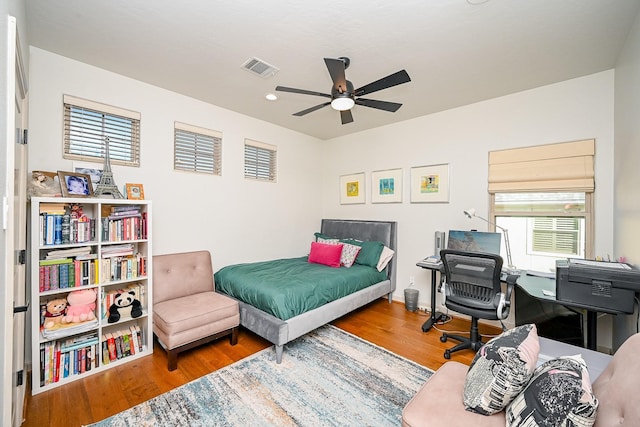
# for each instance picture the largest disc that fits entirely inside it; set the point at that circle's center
(312, 109)
(384, 83)
(346, 116)
(380, 105)
(301, 91)
(336, 70)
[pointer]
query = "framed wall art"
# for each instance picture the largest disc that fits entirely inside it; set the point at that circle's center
(386, 186)
(430, 184)
(352, 189)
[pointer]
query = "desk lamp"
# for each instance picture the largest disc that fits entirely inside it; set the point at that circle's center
(511, 269)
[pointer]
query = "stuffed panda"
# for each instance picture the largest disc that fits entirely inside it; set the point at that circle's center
(125, 304)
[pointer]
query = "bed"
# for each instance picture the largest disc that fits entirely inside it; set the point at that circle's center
(296, 324)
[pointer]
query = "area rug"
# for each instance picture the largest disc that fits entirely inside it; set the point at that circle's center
(327, 378)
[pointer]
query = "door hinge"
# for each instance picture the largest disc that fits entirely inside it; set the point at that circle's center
(19, 377)
(21, 308)
(21, 256)
(25, 139)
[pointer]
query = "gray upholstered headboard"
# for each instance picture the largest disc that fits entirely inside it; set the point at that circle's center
(381, 231)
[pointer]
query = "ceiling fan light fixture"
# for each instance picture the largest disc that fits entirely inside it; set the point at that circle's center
(342, 103)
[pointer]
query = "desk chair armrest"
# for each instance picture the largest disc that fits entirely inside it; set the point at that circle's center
(511, 283)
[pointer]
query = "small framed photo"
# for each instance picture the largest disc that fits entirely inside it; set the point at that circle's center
(430, 184)
(92, 169)
(75, 184)
(386, 186)
(134, 191)
(352, 189)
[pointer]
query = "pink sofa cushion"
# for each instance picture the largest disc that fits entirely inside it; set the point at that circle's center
(192, 311)
(439, 402)
(618, 385)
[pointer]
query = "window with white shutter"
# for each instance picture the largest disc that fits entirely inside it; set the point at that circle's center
(260, 161)
(197, 149)
(87, 124)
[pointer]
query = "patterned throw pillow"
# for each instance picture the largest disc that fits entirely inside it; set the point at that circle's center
(501, 370)
(559, 394)
(349, 252)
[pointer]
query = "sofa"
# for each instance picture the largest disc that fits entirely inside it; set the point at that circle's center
(440, 401)
(187, 311)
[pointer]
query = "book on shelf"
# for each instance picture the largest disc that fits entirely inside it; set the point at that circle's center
(53, 208)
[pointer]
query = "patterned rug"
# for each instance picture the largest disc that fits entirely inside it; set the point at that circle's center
(327, 378)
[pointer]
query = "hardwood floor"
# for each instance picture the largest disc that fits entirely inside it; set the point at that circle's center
(101, 395)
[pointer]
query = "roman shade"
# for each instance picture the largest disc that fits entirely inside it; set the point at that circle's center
(565, 166)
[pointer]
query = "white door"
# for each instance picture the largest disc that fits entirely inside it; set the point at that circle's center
(15, 222)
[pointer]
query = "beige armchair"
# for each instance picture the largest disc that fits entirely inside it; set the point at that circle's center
(187, 312)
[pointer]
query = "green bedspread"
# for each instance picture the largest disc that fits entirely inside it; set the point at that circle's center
(288, 287)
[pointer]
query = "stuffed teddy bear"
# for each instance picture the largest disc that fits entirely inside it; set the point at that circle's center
(81, 306)
(126, 304)
(54, 312)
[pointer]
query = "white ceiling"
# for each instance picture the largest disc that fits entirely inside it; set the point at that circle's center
(455, 52)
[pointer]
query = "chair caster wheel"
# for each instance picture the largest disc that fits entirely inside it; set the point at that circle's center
(447, 354)
(443, 338)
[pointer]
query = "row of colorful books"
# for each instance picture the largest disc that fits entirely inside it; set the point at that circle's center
(64, 358)
(67, 273)
(123, 229)
(56, 229)
(73, 272)
(75, 356)
(123, 268)
(121, 344)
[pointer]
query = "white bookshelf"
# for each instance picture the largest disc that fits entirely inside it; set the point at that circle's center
(126, 272)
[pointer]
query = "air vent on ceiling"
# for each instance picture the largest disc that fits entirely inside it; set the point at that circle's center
(259, 67)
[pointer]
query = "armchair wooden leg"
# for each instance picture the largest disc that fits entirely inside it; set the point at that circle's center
(172, 355)
(234, 336)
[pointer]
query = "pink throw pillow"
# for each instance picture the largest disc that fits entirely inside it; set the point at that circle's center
(322, 253)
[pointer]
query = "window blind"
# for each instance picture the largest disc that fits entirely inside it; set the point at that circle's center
(554, 167)
(259, 161)
(197, 149)
(87, 123)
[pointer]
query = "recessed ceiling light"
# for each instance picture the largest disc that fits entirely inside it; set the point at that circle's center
(271, 97)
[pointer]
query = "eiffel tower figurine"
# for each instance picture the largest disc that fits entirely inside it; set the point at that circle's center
(107, 185)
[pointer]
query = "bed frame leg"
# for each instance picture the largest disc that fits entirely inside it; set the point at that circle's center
(279, 351)
(390, 296)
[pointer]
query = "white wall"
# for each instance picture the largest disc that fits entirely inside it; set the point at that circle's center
(236, 219)
(627, 149)
(577, 109)
(627, 172)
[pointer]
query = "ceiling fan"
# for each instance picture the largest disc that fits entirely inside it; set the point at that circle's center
(344, 97)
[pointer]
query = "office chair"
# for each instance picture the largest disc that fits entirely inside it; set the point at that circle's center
(472, 286)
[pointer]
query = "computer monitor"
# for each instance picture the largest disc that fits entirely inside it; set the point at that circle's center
(474, 241)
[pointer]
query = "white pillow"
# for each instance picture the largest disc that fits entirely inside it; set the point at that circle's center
(385, 257)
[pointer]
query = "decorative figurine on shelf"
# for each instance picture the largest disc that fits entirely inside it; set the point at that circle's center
(107, 185)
